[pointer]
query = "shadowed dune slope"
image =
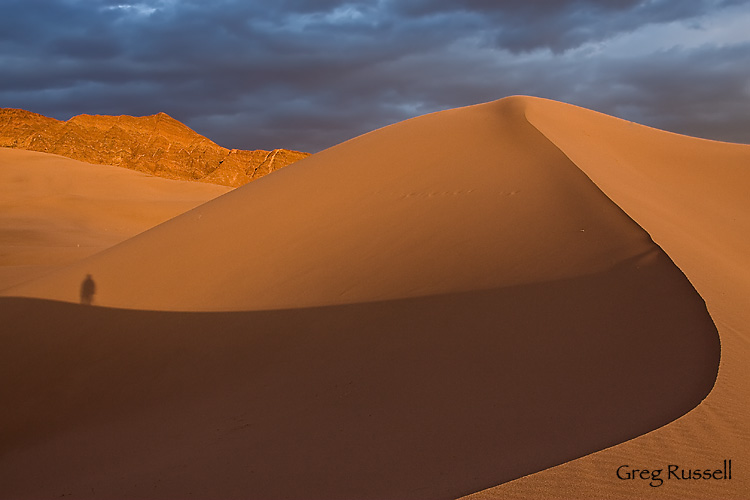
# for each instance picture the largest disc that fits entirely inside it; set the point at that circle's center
(54, 210)
(425, 311)
(691, 195)
(430, 397)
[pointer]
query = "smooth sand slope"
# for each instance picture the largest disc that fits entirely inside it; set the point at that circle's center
(54, 210)
(468, 199)
(425, 311)
(691, 195)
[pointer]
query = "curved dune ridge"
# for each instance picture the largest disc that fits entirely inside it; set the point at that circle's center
(430, 309)
(691, 196)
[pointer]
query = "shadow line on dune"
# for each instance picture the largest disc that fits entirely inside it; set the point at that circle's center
(429, 397)
(583, 171)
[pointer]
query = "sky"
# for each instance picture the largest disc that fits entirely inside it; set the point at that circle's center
(308, 74)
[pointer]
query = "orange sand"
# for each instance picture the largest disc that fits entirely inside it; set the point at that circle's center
(425, 311)
(691, 195)
(54, 210)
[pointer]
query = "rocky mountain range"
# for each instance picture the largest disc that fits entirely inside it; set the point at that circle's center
(157, 144)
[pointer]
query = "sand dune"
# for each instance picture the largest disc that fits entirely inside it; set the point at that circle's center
(425, 311)
(54, 210)
(467, 199)
(691, 196)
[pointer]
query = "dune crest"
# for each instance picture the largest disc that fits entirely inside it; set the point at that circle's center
(691, 196)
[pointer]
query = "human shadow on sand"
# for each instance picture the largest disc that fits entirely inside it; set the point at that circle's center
(88, 289)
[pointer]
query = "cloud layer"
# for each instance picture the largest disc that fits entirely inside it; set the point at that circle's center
(307, 74)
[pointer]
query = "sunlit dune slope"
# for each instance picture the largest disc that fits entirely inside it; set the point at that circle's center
(54, 210)
(425, 311)
(455, 201)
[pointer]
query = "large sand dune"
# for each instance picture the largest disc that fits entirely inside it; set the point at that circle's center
(425, 311)
(468, 199)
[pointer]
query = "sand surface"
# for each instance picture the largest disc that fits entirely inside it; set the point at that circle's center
(691, 195)
(54, 210)
(425, 311)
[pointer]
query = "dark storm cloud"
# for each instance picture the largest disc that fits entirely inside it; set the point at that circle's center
(307, 74)
(704, 92)
(559, 25)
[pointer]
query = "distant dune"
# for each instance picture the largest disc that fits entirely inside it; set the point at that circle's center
(54, 210)
(425, 311)
(158, 145)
